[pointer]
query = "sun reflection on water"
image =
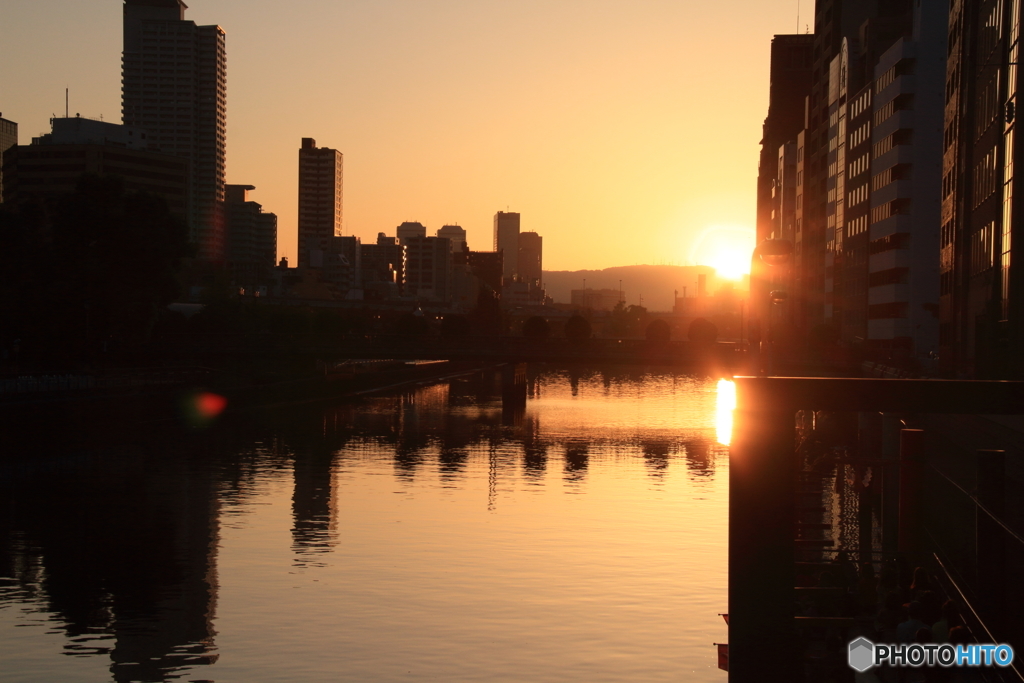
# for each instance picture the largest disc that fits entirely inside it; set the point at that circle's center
(724, 406)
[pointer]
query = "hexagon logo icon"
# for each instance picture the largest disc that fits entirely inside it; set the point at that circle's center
(861, 654)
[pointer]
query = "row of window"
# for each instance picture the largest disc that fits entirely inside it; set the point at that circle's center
(983, 249)
(894, 208)
(857, 196)
(986, 177)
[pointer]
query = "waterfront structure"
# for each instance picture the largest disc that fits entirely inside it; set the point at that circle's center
(456, 234)
(506, 239)
(251, 237)
(8, 139)
(320, 201)
(48, 169)
(981, 304)
(530, 267)
(428, 268)
(174, 85)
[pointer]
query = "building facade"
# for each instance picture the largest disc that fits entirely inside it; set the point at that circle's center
(531, 258)
(251, 238)
(320, 201)
(428, 264)
(8, 139)
(506, 239)
(174, 76)
(456, 234)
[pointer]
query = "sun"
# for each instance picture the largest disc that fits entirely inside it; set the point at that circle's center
(726, 248)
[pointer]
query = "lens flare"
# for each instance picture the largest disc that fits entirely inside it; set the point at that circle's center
(200, 408)
(724, 407)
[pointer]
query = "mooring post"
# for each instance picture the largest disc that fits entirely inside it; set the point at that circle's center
(991, 538)
(761, 535)
(911, 490)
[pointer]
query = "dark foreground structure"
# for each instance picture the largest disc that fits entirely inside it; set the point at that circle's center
(912, 499)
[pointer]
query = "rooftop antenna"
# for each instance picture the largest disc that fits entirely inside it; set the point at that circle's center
(65, 102)
(798, 16)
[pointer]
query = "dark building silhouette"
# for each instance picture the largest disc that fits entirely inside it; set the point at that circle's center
(506, 239)
(251, 237)
(428, 265)
(981, 313)
(383, 268)
(8, 139)
(486, 265)
(174, 76)
(320, 201)
(531, 263)
(53, 164)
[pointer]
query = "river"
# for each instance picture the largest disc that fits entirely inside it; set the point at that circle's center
(424, 535)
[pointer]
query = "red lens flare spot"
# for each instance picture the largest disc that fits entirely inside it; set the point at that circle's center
(210, 405)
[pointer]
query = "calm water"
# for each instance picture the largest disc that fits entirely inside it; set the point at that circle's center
(427, 535)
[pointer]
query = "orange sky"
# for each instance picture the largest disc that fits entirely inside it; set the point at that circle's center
(621, 131)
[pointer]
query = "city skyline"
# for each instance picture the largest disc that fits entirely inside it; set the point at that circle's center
(441, 125)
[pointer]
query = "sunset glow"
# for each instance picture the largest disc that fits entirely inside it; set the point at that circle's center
(726, 248)
(724, 407)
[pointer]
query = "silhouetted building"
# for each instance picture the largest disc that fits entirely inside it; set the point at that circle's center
(320, 201)
(428, 268)
(981, 304)
(596, 299)
(456, 235)
(251, 238)
(530, 268)
(506, 239)
(8, 139)
(410, 229)
(383, 268)
(174, 76)
(47, 170)
(486, 265)
(342, 266)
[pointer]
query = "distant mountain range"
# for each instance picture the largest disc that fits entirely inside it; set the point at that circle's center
(655, 283)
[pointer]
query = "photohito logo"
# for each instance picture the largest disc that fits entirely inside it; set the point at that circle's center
(863, 654)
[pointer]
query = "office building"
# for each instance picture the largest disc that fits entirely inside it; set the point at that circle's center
(410, 229)
(251, 237)
(320, 201)
(8, 139)
(456, 235)
(506, 239)
(531, 268)
(383, 268)
(174, 76)
(428, 275)
(48, 169)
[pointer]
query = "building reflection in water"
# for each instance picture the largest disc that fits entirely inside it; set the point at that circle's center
(121, 544)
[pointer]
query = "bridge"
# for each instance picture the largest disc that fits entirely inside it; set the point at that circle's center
(725, 356)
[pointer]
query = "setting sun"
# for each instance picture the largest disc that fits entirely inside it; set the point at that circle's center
(726, 248)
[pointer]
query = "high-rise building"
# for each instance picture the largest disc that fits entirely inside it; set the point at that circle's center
(410, 229)
(174, 76)
(8, 139)
(53, 163)
(531, 257)
(428, 268)
(320, 201)
(981, 305)
(456, 234)
(251, 237)
(383, 268)
(506, 239)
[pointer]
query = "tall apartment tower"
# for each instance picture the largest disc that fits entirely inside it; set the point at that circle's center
(320, 198)
(174, 76)
(506, 239)
(8, 139)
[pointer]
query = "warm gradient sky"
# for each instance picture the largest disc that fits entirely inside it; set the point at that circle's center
(621, 130)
